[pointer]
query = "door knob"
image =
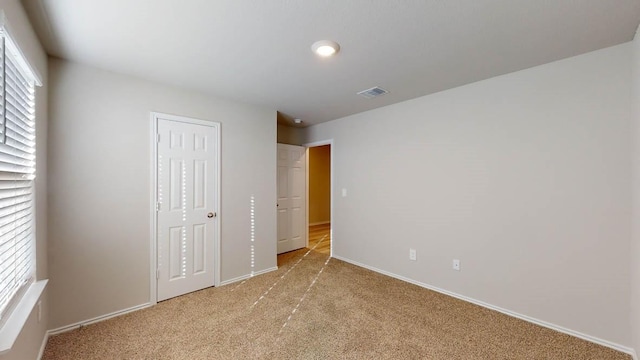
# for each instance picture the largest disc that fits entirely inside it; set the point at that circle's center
(210, 215)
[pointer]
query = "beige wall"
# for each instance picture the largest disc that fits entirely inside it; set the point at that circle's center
(635, 241)
(30, 339)
(319, 184)
(525, 178)
(100, 186)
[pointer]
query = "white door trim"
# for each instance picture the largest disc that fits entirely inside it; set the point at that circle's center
(153, 257)
(310, 145)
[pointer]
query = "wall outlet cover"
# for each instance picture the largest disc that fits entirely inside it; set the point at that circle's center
(456, 264)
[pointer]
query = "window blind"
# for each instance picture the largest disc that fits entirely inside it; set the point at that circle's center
(17, 174)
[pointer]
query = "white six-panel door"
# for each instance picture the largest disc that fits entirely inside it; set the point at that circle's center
(291, 180)
(186, 206)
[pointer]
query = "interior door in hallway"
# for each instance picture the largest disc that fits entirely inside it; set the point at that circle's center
(292, 232)
(187, 176)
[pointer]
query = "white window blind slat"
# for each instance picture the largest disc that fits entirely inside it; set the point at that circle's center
(26, 140)
(15, 71)
(18, 136)
(15, 168)
(18, 146)
(18, 216)
(15, 191)
(18, 98)
(11, 255)
(3, 119)
(19, 81)
(4, 221)
(12, 176)
(12, 202)
(11, 151)
(17, 111)
(17, 153)
(13, 106)
(15, 231)
(15, 161)
(20, 126)
(22, 257)
(17, 174)
(15, 114)
(7, 276)
(13, 185)
(22, 95)
(4, 252)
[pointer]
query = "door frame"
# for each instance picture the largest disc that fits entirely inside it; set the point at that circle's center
(331, 181)
(153, 257)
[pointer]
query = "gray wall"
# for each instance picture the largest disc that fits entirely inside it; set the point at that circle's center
(635, 241)
(30, 339)
(100, 186)
(525, 178)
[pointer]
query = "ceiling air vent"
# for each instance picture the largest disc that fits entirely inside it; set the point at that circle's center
(373, 92)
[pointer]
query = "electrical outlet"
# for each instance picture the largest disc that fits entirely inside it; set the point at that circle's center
(456, 264)
(412, 254)
(344, 192)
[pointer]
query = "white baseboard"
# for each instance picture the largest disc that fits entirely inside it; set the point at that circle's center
(134, 308)
(633, 354)
(96, 319)
(43, 345)
(551, 326)
(319, 223)
(247, 276)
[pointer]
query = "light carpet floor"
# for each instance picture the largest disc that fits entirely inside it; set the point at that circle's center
(314, 307)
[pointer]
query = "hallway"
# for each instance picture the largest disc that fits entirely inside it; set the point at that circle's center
(320, 238)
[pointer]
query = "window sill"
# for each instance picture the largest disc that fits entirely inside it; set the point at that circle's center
(19, 316)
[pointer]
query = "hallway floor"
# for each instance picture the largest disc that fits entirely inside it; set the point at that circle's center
(320, 238)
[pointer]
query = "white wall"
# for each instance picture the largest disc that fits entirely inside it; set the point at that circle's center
(525, 178)
(635, 241)
(99, 185)
(28, 343)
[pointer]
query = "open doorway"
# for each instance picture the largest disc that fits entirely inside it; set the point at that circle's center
(319, 197)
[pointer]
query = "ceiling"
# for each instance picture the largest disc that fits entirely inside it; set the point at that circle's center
(259, 52)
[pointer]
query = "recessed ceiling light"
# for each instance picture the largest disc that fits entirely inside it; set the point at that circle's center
(325, 47)
(297, 121)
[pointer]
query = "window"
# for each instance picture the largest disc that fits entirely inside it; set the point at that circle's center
(17, 174)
